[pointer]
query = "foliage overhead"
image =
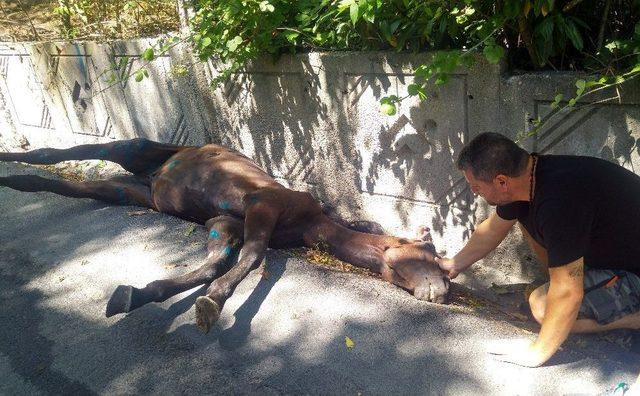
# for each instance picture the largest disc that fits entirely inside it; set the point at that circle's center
(599, 37)
(534, 34)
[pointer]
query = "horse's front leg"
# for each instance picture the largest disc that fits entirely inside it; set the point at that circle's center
(225, 235)
(260, 220)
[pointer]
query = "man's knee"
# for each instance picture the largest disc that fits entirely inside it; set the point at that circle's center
(538, 302)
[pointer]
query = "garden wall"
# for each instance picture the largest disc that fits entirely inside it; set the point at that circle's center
(312, 122)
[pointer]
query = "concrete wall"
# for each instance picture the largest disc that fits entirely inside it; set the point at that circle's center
(312, 122)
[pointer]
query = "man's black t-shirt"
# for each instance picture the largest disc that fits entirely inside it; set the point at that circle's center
(583, 207)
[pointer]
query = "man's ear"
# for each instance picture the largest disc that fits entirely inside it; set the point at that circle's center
(501, 182)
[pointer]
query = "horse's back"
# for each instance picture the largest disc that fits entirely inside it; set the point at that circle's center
(199, 183)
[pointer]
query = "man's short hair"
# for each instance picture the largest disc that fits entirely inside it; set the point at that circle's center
(491, 154)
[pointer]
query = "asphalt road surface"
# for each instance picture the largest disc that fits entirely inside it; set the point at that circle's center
(282, 332)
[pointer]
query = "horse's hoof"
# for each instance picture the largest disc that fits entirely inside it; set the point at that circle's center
(207, 313)
(120, 301)
(433, 290)
(423, 291)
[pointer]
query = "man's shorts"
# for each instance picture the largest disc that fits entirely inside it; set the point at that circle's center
(609, 295)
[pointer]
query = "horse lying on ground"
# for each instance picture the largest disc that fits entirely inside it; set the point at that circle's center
(245, 210)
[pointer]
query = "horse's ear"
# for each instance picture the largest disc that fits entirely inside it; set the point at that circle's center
(369, 227)
(424, 234)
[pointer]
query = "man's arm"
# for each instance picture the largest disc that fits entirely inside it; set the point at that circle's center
(484, 239)
(563, 303)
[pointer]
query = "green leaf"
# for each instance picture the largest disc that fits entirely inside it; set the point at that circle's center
(206, 41)
(388, 109)
(424, 71)
(139, 75)
(148, 55)
(354, 12)
(442, 79)
(557, 100)
(394, 25)
(613, 45)
(572, 102)
(592, 83)
(493, 53)
(635, 69)
(417, 90)
(344, 4)
(265, 6)
(545, 28)
(123, 62)
(233, 44)
(574, 35)
(581, 84)
(291, 36)
(349, 343)
(412, 89)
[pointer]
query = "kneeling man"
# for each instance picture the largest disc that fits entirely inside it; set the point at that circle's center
(581, 215)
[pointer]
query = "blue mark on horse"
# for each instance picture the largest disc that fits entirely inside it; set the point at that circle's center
(173, 164)
(224, 205)
(214, 234)
(253, 199)
(228, 250)
(103, 153)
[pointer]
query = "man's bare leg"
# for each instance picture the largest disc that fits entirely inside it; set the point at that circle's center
(537, 301)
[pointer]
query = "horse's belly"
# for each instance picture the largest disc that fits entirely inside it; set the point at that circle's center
(179, 200)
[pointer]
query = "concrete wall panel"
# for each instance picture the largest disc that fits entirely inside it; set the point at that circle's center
(312, 122)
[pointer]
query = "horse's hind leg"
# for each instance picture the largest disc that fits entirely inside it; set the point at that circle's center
(225, 236)
(138, 156)
(122, 190)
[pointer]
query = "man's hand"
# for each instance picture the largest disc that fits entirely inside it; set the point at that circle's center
(484, 239)
(449, 266)
(521, 352)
